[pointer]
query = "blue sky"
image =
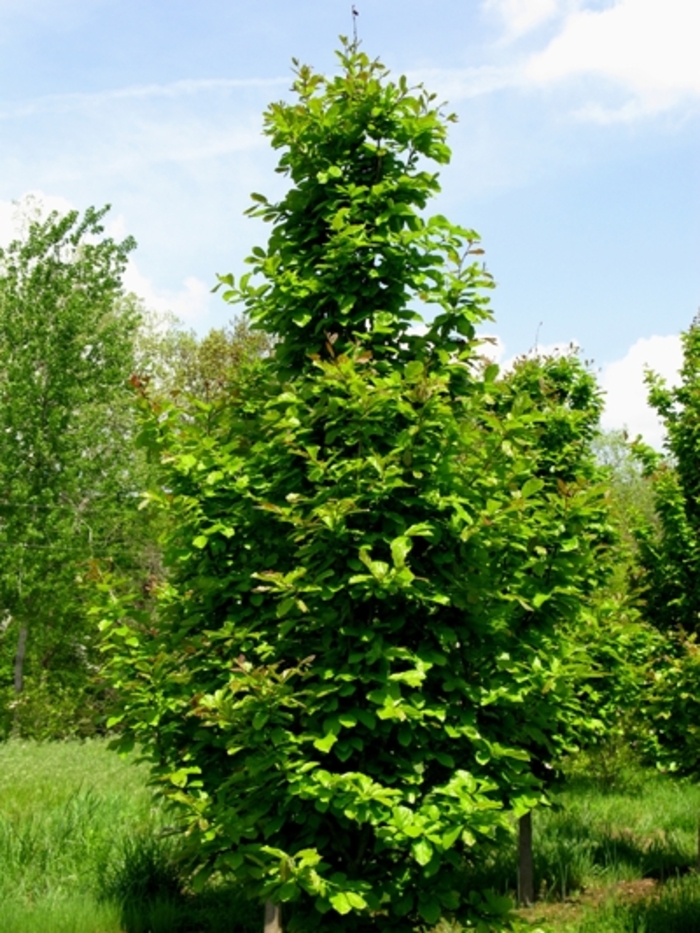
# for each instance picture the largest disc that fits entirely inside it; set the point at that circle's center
(576, 155)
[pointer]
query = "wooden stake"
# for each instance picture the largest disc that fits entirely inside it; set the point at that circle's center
(19, 659)
(526, 875)
(273, 918)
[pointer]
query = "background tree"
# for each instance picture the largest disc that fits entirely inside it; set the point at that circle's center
(670, 544)
(66, 477)
(669, 562)
(180, 365)
(568, 403)
(372, 557)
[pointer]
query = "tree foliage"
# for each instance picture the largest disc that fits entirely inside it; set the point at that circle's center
(670, 545)
(359, 657)
(669, 562)
(66, 351)
(177, 364)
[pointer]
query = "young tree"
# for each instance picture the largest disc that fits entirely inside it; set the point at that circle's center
(373, 553)
(66, 351)
(669, 543)
(669, 560)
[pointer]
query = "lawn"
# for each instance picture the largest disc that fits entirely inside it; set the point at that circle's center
(84, 849)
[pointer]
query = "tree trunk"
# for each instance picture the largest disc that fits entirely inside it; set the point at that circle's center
(273, 918)
(526, 875)
(19, 658)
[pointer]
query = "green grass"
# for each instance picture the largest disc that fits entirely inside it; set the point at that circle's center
(602, 832)
(676, 909)
(70, 914)
(82, 850)
(615, 825)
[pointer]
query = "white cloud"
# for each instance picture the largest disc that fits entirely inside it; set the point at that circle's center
(647, 48)
(623, 381)
(521, 16)
(622, 60)
(191, 303)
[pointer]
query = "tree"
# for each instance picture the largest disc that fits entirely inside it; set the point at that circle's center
(373, 554)
(568, 401)
(669, 543)
(669, 567)
(179, 365)
(66, 351)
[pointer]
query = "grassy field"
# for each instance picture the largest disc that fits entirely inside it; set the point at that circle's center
(82, 850)
(618, 854)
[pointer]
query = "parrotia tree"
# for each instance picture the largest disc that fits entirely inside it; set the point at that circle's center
(669, 558)
(371, 557)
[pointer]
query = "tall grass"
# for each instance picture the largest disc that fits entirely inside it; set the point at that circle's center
(676, 909)
(601, 832)
(82, 850)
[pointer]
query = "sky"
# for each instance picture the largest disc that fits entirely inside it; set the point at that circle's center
(576, 155)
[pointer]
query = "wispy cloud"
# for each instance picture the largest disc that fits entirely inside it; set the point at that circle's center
(59, 103)
(455, 84)
(519, 17)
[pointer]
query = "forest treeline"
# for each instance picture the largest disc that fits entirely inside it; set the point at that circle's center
(333, 543)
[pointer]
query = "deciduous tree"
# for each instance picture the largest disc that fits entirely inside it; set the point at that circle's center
(377, 545)
(66, 351)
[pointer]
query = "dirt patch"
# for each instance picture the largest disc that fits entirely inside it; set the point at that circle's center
(568, 910)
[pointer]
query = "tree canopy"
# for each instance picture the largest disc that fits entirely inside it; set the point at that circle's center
(66, 352)
(359, 657)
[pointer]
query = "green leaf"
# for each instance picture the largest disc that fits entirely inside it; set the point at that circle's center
(429, 909)
(403, 905)
(285, 606)
(356, 901)
(400, 548)
(531, 486)
(413, 371)
(260, 720)
(326, 743)
(422, 851)
(405, 735)
(341, 902)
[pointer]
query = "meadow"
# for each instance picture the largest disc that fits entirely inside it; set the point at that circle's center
(84, 848)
